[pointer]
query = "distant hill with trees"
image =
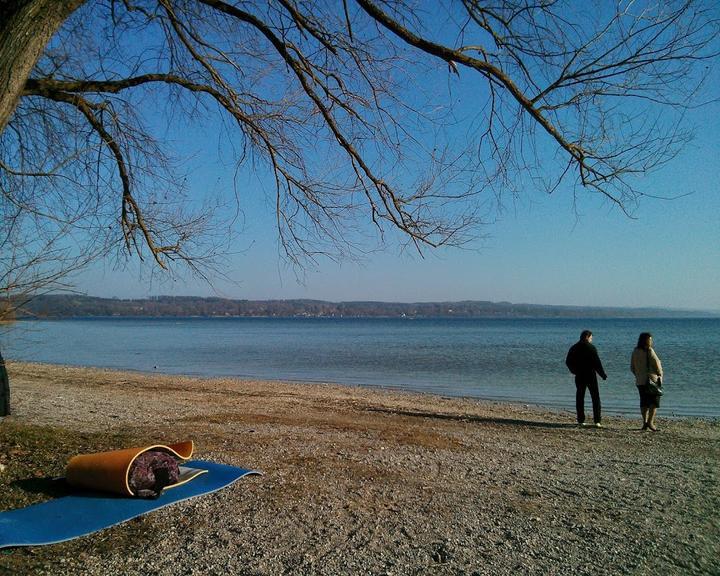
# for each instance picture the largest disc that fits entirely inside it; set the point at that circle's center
(77, 306)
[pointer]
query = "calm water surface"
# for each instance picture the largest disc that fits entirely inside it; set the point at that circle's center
(518, 360)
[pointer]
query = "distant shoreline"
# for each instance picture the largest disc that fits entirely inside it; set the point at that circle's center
(409, 318)
(71, 306)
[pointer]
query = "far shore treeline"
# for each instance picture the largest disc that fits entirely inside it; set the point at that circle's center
(77, 306)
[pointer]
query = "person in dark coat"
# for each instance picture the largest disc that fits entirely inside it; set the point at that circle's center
(4, 390)
(583, 361)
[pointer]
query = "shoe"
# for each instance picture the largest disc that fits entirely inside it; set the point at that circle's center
(645, 427)
(651, 427)
(582, 425)
(598, 425)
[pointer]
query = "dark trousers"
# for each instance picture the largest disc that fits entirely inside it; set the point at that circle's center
(580, 386)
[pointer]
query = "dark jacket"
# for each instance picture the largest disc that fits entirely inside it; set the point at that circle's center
(583, 361)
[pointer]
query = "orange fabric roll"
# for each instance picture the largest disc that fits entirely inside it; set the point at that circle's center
(109, 471)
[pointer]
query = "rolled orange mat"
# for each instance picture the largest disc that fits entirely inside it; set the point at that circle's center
(110, 471)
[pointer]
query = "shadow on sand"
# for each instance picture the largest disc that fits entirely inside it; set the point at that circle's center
(475, 419)
(52, 487)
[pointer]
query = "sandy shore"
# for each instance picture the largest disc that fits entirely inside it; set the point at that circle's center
(360, 481)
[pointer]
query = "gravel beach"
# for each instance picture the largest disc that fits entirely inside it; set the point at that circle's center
(365, 481)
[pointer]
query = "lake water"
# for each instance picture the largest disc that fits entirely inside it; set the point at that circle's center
(517, 360)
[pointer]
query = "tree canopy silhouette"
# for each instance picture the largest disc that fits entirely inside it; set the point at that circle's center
(350, 105)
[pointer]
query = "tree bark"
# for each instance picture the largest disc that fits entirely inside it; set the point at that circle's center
(26, 26)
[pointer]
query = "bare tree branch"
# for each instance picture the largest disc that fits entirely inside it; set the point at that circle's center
(348, 109)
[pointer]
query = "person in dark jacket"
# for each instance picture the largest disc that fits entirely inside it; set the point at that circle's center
(583, 361)
(4, 390)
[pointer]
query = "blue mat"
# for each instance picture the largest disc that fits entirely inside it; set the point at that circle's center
(83, 513)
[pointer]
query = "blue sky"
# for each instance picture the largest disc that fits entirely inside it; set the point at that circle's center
(542, 249)
(539, 251)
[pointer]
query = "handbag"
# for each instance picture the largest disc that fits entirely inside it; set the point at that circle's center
(654, 388)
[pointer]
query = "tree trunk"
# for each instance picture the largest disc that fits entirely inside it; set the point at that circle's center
(4, 390)
(26, 26)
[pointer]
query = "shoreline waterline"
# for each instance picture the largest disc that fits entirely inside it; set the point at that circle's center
(560, 411)
(507, 360)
